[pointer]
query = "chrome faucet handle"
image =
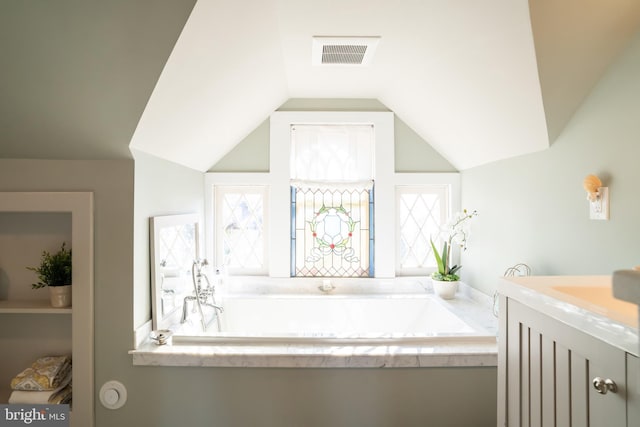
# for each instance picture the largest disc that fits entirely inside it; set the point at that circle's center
(326, 286)
(161, 336)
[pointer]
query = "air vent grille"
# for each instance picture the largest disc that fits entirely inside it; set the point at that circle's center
(343, 54)
(348, 51)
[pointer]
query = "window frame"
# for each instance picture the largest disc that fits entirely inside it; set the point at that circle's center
(383, 167)
(277, 180)
(219, 191)
(250, 180)
(450, 181)
(444, 193)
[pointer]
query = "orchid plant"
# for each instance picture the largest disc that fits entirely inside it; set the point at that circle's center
(458, 229)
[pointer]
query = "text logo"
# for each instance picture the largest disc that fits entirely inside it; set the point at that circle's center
(34, 415)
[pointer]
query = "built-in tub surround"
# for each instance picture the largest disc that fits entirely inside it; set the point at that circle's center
(360, 323)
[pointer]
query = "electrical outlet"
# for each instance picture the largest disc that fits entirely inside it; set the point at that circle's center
(599, 209)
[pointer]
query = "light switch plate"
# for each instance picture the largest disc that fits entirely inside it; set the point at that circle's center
(600, 208)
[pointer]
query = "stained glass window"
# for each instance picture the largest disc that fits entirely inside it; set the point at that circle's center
(332, 231)
(332, 200)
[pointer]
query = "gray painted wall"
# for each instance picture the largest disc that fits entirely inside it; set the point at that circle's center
(533, 208)
(252, 397)
(76, 75)
(412, 153)
(111, 181)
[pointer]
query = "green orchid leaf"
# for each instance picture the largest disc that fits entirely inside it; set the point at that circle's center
(445, 258)
(438, 258)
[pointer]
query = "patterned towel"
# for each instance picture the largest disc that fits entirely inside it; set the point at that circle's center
(60, 395)
(45, 374)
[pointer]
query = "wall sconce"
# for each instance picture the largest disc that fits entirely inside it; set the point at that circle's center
(598, 197)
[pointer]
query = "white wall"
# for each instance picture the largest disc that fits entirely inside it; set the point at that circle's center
(161, 188)
(533, 208)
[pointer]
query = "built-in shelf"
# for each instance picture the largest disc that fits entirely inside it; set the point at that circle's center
(31, 307)
(29, 326)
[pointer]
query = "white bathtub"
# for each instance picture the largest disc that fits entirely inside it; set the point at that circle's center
(335, 316)
(326, 315)
(375, 323)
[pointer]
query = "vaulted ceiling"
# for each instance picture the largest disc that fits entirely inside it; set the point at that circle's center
(479, 80)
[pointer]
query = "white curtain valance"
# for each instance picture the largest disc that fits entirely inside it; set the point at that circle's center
(332, 185)
(332, 152)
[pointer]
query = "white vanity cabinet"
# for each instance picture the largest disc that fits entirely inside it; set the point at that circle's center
(29, 326)
(564, 362)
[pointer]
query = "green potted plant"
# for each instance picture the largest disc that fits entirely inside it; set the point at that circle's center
(445, 279)
(54, 272)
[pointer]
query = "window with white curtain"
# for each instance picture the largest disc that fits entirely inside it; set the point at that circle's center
(332, 153)
(332, 203)
(332, 200)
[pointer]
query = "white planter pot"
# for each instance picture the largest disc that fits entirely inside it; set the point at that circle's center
(445, 290)
(60, 296)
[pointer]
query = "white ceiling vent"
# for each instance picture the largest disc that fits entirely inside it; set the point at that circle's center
(343, 50)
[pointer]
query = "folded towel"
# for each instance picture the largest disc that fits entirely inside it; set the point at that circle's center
(61, 394)
(45, 374)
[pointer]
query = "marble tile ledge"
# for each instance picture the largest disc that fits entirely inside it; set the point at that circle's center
(445, 352)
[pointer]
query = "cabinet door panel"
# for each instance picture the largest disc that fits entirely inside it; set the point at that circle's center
(535, 379)
(578, 404)
(514, 372)
(607, 409)
(548, 352)
(633, 390)
(525, 388)
(563, 385)
(551, 366)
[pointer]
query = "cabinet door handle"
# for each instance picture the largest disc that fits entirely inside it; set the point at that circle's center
(603, 386)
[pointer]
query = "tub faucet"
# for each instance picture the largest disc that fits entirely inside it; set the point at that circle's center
(326, 286)
(185, 309)
(204, 296)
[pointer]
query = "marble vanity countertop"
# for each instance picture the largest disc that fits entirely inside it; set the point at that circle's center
(445, 351)
(583, 302)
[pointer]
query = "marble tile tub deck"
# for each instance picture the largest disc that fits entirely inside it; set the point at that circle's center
(411, 352)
